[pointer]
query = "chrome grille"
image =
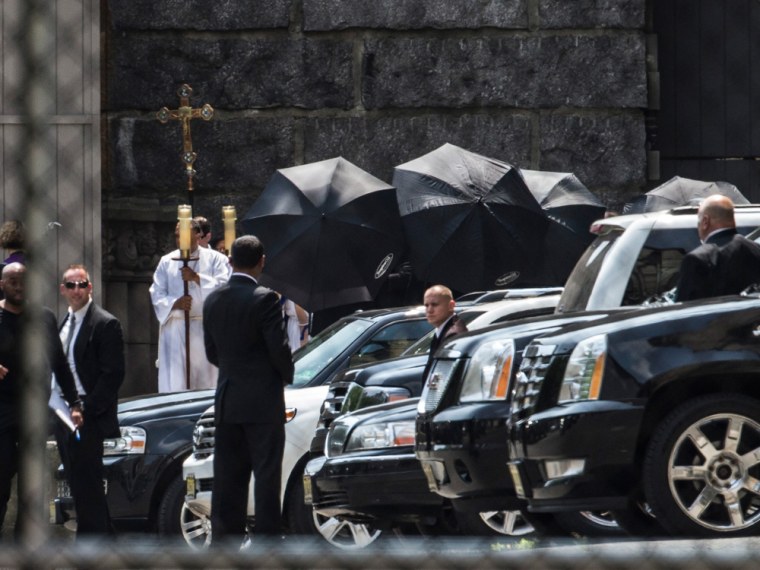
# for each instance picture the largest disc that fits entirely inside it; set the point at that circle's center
(203, 436)
(535, 363)
(435, 385)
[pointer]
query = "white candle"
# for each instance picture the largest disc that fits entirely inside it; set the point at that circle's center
(184, 216)
(230, 216)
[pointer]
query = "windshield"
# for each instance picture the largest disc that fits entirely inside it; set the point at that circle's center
(324, 348)
(580, 284)
(422, 346)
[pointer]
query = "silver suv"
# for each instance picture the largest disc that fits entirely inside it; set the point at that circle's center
(637, 258)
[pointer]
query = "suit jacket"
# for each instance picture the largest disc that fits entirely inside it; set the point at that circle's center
(726, 264)
(453, 327)
(99, 361)
(244, 336)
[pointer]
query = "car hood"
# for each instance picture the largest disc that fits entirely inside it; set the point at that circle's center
(155, 406)
(303, 399)
(670, 315)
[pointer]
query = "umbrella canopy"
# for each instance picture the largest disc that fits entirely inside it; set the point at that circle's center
(470, 221)
(571, 208)
(332, 232)
(680, 191)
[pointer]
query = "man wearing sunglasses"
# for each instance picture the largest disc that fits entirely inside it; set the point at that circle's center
(93, 342)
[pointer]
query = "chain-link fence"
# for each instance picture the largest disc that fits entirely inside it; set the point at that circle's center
(407, 554)
(49, 115)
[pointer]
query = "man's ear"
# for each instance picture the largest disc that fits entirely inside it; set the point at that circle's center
(262, 261)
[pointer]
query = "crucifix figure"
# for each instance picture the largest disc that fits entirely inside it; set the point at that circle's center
(185, 113)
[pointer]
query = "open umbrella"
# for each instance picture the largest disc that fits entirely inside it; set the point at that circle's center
(680, 191)
(331, 231)
(571, 208)
(470, 221)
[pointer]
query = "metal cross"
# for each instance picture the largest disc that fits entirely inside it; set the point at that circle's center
(184, 114)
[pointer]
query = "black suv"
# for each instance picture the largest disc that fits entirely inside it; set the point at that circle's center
(461, 434)
(655, 414)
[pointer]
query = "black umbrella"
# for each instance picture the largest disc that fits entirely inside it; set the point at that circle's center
(680, 191)
(331, 232)
(572, 208)
(470, 221)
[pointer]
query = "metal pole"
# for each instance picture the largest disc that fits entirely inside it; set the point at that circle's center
(36, 162)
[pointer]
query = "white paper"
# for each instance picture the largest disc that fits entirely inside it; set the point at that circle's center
(59, 406)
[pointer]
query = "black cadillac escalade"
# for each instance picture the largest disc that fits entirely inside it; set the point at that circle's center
(653, 414)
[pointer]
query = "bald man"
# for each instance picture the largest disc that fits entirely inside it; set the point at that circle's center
(439, 311)
(726, 263)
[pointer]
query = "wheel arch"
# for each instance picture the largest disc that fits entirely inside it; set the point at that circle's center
(171, 469)
(667, 395)
(295, 478)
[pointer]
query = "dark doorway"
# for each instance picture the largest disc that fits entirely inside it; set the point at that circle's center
(708, 125)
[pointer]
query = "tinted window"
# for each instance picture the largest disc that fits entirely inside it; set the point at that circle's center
(390, 341)
(659, 263)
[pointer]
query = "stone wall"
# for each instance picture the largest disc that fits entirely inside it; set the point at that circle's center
(543, 84)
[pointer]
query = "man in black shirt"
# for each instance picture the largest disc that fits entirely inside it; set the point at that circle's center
(11, 377)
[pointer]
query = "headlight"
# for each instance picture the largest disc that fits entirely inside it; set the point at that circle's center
(131, 442)
(583, 375)
(290, 414)
(489, 371)
(381, 435)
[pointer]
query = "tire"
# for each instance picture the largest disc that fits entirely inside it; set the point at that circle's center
(700, 478)
(590, 524)
(170, 507)
(637, 519)
(445, 523)
(298, 515)
(494, 523)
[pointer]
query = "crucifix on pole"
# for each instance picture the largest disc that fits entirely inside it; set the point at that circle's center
(185, 113)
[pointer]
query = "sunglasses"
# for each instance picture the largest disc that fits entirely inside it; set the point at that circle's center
(81, 284)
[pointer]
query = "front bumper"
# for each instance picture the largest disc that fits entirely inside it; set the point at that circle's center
(597, 437)
(463, 451)
(370, 488)
(198, 474)
(129, 482)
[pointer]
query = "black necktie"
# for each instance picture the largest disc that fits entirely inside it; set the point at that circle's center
(70, 335)
(435, 343)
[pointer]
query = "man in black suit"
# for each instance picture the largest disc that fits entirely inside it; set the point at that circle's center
(726, 263)
(93, 343)
(244, 337)
(12, 378)
(439, 311)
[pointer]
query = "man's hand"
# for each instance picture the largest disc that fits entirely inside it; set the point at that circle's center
(3, 371)
(184, 303)
(77, 417)
(190, 275)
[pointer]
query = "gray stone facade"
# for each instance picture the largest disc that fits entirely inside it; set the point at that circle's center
(543, 84)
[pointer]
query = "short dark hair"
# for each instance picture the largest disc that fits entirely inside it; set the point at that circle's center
(246, 252)
(203, 224)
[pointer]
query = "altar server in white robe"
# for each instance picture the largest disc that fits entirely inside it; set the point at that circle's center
(204, 274)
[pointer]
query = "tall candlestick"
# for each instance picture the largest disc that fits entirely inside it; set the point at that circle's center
(230, 217)
(184, 216)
